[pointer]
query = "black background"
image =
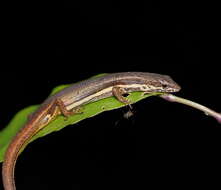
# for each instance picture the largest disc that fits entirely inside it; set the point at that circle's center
(163, 144)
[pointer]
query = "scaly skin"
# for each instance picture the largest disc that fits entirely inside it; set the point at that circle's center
(67, 100)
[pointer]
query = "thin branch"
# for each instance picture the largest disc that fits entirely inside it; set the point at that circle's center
(207, 111)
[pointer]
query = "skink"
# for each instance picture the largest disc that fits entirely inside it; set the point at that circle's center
(69, 100)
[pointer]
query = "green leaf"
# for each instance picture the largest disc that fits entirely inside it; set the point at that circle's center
(60, 122)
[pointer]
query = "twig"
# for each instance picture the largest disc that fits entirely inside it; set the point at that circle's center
(207, 111)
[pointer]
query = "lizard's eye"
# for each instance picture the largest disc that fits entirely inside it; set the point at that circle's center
(164, 85)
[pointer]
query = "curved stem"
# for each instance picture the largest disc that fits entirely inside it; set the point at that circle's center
(207, 111)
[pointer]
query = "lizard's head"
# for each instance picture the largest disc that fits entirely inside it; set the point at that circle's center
(166, 84)
(152, 82)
